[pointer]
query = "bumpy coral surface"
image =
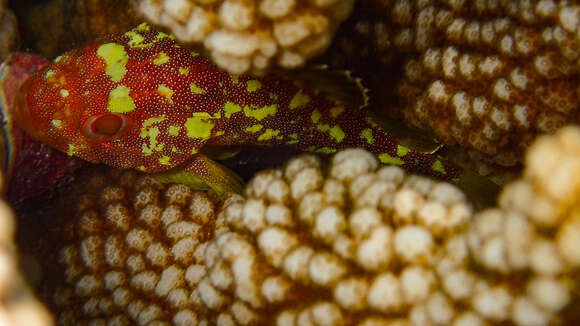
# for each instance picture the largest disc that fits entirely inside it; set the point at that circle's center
(533, 236)
(489, 76)
(132, 259)
(351, 244)
(305, 244)
(344, 244)
(252, 35)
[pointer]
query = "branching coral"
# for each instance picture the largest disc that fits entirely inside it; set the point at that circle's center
(489, 76)
(252, 35)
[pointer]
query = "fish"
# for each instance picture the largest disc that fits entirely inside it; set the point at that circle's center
(140, 100)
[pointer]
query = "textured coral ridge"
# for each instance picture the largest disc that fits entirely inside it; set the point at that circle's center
(352, 243)
(133, 262)
(534, 232)
(304, 245)
(252, 35)
(489, 75)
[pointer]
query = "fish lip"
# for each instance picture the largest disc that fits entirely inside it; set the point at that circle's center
(14, 71)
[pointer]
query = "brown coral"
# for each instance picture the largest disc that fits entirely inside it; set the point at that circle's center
(535, 232)
(131, 258)
(351, 243)
(493, 83)
(488, 76)
(142, 252)
(252, 35)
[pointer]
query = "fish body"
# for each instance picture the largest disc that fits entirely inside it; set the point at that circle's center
(139, 100)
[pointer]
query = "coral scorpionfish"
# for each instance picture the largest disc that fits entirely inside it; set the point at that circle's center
(139, 100)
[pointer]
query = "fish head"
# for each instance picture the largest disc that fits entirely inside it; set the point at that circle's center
(54, 106)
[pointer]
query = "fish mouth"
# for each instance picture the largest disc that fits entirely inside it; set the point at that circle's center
(14, 71)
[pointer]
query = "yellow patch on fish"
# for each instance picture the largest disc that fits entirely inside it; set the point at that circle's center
(231, 108)
(72, 150)
(148, 130)
(165, 92)
(115, 59)
(438, 167)
(48, 75)
(388, 159)
(336, 133)
(254, 128)
(136, 40)
(402, 150)
(368, 135)
(198, 128)
(336, 111)
(164, 160)
(173, 130)
(161, 59)
(269, 134)
(143, 27)
(253, 85)
(315, 116)
(195, 89)
(299, 99)
(56, 123)
(260, 113)
(325, 150)
(120, 101)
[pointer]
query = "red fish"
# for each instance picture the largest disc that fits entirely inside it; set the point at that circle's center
(139, 100)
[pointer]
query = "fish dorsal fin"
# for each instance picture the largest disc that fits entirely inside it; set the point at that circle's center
(338, 85)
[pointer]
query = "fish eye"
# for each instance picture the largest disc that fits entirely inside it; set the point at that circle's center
(105, 126)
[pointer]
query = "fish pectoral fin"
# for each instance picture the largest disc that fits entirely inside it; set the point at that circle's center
(202, 173)
(218, 152)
